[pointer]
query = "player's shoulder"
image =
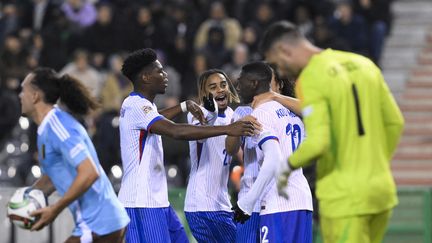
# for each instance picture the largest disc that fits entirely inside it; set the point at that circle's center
(61, 125)
(243, 110)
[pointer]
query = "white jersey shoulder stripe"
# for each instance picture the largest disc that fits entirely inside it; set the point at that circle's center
(60, 125)
(57, 130)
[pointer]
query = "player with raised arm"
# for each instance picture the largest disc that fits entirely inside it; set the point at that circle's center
(207, 204)
(144, 187)
(281, 219)
(353, 125)
(68, 159)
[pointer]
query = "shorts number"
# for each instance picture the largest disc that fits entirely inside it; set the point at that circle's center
(264, 233)
(227, 158)
(294, 131)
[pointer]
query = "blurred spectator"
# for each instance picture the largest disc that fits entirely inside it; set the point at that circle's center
(8, 21)
(324, 38)
(80, 69)
(142, 32)
(181, 33)
(189, 82)
(303, 18)
(80, 12)
(215, 52)
(102, 37)
(117, 86)
(350, 26)
(37, 14)
(379, 17)
(56, 36)
(263, 17)
(240, 57)
(13, 62)
(10, 111)
(230, 26)
(250, 39)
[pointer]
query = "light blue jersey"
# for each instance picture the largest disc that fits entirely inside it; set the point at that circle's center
(63, 144)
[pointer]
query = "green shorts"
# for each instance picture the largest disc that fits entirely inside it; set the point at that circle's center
(369, 228)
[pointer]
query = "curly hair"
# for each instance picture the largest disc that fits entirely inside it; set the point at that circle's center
(67, 89)
(136, 62)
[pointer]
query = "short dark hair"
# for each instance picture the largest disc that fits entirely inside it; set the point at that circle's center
(276, 31)
(137, 61)
(259, 71)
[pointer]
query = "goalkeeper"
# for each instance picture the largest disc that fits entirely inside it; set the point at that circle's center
(353, 126)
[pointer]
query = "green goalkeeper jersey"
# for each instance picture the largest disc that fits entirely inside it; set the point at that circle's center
(353, 125)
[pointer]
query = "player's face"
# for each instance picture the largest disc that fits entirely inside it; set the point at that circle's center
(27, 95)
(217, 85)
(246, 88)
(158, 78)
(285, 57)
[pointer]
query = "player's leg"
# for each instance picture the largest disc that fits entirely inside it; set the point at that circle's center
(199, 227)
(113, 237)
(176, 229)
(378, 225)
(81, 233)
(293, 226)
(353, 229)
(222, 225)
(147, 225)
(249, 231)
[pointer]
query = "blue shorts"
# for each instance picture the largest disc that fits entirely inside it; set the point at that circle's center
(212, 226)
(249, 231)
(154, 225)
(286, 227)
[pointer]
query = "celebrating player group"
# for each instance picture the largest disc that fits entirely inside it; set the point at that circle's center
(336, 121)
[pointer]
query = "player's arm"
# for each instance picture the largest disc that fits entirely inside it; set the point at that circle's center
(291, 103)
(232, 145)
(273, 161)
(190, 132)
(187, 105)
(317, 124)
(45, 185)
(86, 176)
(393, 119)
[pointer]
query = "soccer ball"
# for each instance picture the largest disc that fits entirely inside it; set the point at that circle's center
(24, 201)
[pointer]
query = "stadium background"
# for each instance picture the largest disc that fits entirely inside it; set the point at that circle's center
(89, 39)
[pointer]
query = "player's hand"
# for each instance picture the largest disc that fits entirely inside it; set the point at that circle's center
(241, 128)
(256, 124)
(264, 97)
(196, 111)
(282, 183)
(46, 216)
(239, 215)
(210, 103)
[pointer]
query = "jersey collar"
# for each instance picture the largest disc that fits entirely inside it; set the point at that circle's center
(45, 121)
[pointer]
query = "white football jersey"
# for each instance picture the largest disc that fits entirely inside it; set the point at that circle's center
(144, 182)
(283, 125)
(251, 158)
(207, 188)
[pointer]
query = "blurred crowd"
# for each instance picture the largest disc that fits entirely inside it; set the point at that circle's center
(89, 39)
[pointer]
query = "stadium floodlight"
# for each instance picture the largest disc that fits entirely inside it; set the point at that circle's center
(24, 123)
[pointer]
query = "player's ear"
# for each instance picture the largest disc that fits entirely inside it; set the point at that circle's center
(145, 77)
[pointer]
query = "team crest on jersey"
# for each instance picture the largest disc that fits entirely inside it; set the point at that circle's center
(147, 109)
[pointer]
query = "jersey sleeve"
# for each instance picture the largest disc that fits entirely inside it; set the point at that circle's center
(71, 146)
(392, 116)
(267, 131)
(315, 117)
(144, 116)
